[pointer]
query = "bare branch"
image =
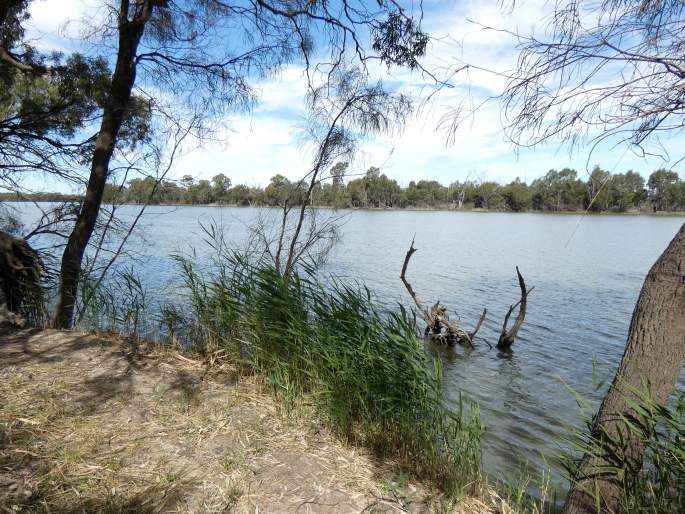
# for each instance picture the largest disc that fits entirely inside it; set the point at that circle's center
(437, 318)
(507, 337)
(473, 333)
(423, 311)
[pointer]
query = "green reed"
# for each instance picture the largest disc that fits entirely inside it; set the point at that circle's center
(364, 371)
(120, 304)
(654, 484)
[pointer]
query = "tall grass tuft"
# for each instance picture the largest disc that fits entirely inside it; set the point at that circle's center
(119, 304)
(655, 484)
(364, 371)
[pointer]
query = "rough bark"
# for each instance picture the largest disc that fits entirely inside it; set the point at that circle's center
(123, 79)
(20, 269)
(654, 355)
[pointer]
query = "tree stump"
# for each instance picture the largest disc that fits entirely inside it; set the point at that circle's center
(20, 270)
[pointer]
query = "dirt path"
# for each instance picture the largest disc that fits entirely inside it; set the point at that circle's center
(93, 425)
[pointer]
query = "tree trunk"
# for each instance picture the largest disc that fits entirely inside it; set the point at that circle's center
(654, 354)
(113, 114)
(20, 270)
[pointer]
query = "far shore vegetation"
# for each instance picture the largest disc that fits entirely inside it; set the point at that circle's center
(557, 191)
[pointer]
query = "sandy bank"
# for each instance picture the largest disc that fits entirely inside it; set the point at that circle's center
(90, 424)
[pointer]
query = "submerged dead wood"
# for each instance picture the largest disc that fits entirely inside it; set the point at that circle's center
(507, 337)
(439, 327)
(473, 333)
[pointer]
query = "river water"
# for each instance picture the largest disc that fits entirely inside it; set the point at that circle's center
(587, 272)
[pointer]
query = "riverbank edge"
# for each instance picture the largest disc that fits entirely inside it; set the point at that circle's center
(40, 366)
(443, 208)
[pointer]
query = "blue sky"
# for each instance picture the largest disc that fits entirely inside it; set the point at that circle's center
(255, 146)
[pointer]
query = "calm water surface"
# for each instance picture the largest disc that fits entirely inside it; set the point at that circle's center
(587, 274)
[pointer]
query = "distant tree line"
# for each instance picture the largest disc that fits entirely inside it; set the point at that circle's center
(557, 190)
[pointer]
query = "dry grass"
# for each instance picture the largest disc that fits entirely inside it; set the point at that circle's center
(97, 425)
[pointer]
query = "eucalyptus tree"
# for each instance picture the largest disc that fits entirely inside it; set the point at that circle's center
(598, 189)
(220, 186)
(333, 193)
(48, 104)
(662, 186)
(517, 195)
(44, 102)
(205, 53)
(559, 190)
(627, 190)
(338, 171)
(612, 72)
(277, 190)
(343, 109)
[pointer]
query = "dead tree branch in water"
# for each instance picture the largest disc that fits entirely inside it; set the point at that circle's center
(473, 333)
(419, 305)
(507, 337)
(438, 324)
(441, 329)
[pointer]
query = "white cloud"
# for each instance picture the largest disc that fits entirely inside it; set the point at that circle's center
(266, 142)
(251, 151)
(56, 24)
(284, 92)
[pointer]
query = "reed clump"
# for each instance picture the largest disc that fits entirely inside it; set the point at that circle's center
(653, 484)
(363, 371)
